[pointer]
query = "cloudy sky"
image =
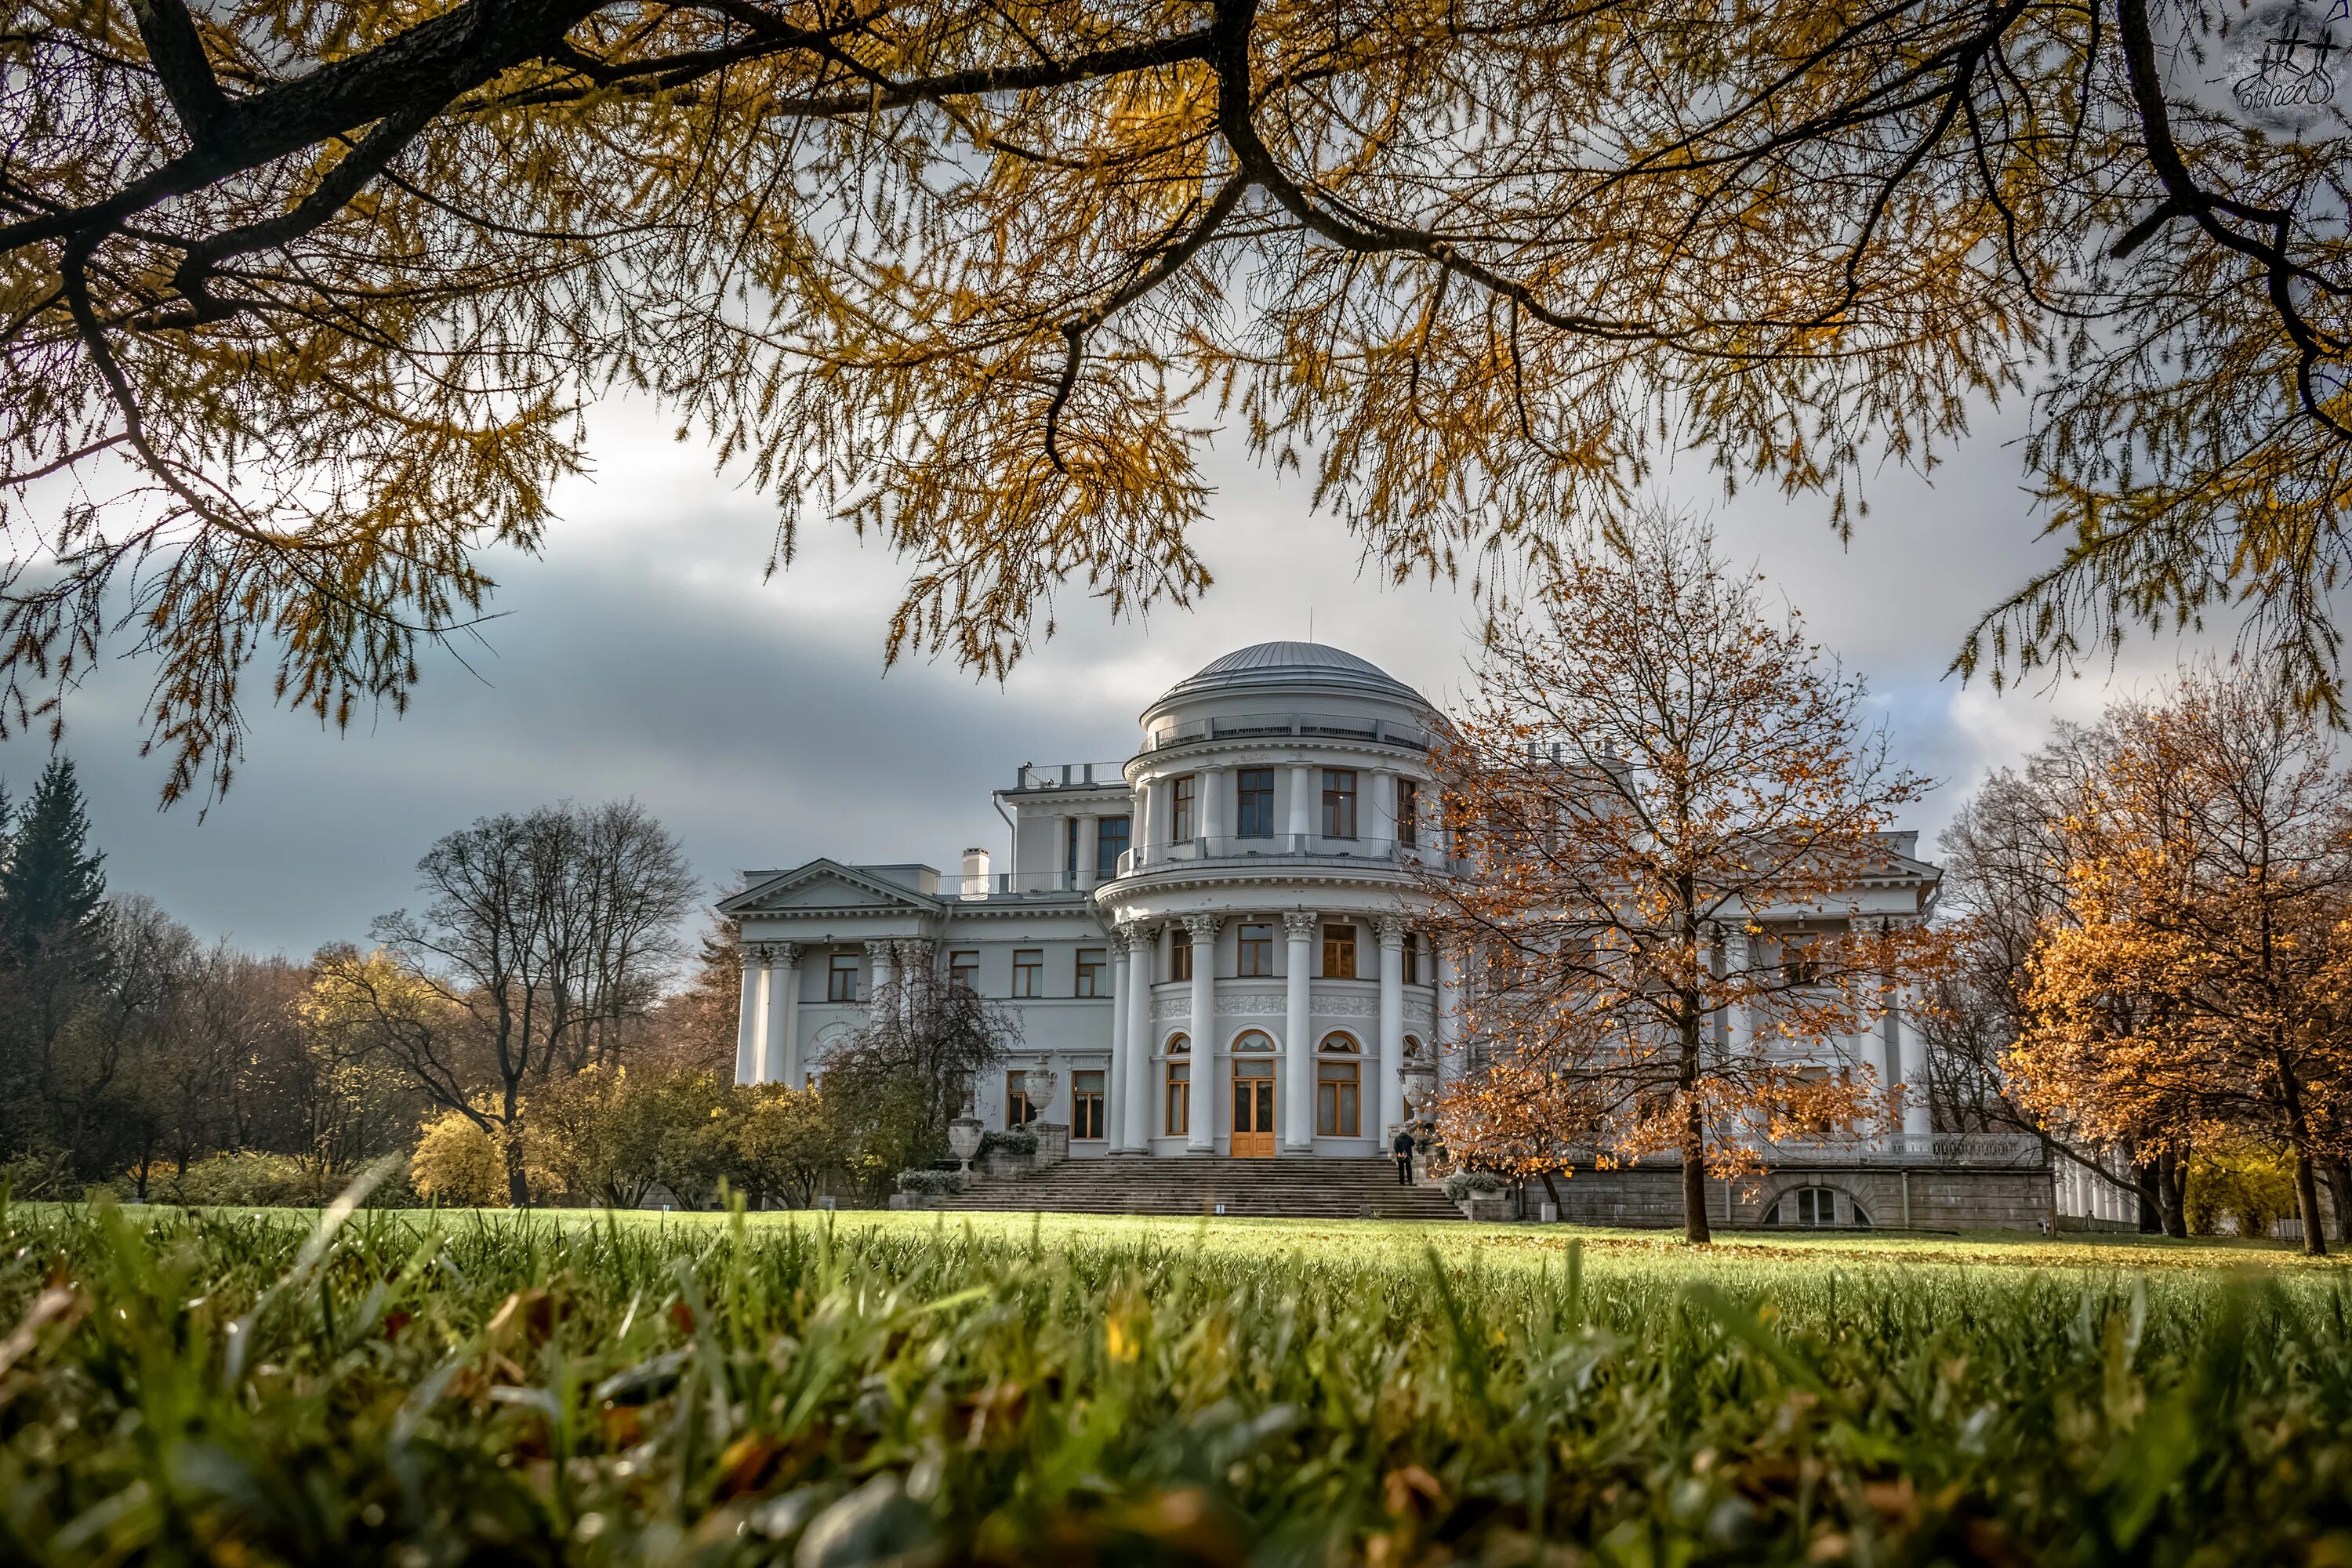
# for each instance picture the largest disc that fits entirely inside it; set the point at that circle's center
(643, 656)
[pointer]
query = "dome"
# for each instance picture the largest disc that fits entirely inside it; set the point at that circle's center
(1280, 665)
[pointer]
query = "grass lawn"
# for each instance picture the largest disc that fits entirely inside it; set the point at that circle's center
(917, 1388)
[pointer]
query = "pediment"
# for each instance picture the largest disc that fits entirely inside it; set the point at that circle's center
(825, 885)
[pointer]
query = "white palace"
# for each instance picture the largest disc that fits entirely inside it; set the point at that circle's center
(1209, 949)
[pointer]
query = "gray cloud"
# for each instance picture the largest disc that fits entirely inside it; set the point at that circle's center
(645, 657)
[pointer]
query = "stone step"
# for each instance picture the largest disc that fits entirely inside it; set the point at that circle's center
(1302, 1187)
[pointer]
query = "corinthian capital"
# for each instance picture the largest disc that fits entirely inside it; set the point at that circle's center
(1391, 930)
(1299, 924)
(1203, 927)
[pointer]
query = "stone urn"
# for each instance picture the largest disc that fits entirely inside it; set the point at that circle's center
(1041, 1083)
(963, 1140)
(1420, 1092)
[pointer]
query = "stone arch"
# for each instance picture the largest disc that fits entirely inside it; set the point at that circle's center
(1340, 1042)
(1240, 1047)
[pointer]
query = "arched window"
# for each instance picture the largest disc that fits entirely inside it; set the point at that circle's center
(1253, 1040)
(1814, 1205)
(1341, 1040)
(1179, 1045)
(1412, 1048)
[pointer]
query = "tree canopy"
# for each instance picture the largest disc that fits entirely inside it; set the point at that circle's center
(301, 303)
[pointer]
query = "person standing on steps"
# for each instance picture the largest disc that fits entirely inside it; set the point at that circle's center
(1402, 1149)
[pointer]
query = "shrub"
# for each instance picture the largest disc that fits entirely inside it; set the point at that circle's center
(1008, 1141)
(1462, 1184)
(930, 1183)
(459, 1165)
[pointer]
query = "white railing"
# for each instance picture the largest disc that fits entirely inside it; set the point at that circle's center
(1979, 1151)
(1249, 726)
(1070, 775)
(1301, 847)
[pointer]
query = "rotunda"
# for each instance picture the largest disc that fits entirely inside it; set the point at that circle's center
(1276, 999)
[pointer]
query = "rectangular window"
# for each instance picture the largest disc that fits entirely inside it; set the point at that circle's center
(1085, 1105)
(1253, 797)
(1111, 843)
(1412, 958)
(1029, 971)
(1018, 1112)
(1801, 961)
(1178, 1119)
(1179, 955)
(1090, 972)
(1338, 1099)
(1339, 952)
(1408, 812)
(1181, 821)
(841, 978)
(1255, 948)
(963, 972)
(1338, 803)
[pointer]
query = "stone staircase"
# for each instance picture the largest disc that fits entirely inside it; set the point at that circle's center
(1296, 1187)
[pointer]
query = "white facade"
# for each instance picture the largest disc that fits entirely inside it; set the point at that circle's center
(1210, 946)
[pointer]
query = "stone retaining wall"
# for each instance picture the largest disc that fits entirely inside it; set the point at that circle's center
(1929, 1197)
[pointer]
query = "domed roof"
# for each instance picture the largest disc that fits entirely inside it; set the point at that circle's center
(1289, 664)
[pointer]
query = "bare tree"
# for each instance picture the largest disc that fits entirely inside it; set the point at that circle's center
(541, 934)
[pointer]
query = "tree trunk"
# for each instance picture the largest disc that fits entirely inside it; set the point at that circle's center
(2148, 1181)
(2339, 1187)
(510, 1138)
(1558, 1207)
(2306, 1199)
(2171, 1190)
(2306, 1182)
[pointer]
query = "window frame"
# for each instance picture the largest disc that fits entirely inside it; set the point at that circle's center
(1087, 978)
(1339, 943)
(964, 975)
(841, 977)
(1018, 1112)
(1412, 958)
(1176, 1098)
(1179, 955)
(1182, 808)
(1408, 812)
(1249, 950)
(1029, 977)
(1340, 800)
(1107, 854)
(1086, 1104)
(1339, 1097)
(1247, 795)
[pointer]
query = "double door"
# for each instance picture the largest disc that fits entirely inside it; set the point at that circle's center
(1253, 1107)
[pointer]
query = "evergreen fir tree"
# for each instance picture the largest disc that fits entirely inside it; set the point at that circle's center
(51, 887)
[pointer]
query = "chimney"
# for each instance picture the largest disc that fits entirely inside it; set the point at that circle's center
(975, 873)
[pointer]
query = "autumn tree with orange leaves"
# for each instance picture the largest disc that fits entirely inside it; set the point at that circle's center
(2197, 995)
(301, 302)
(1667, 795)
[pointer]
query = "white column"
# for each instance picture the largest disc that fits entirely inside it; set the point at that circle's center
(1142, 944)
(1060, 879)
(1449, 1014)
(1391, 931)
(747, 1016)
(1089, 851)
(1918, 1115)
(1303, 797)
(1140, 836)
(1209, 803)
(1379, 814)
(878, 964)
(1115, 1081)
(1299, 1029)
(782, 1019)
(1740, 953)
(1203, 1028)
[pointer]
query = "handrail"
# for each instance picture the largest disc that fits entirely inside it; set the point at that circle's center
(1231, 848)
(1252, 726)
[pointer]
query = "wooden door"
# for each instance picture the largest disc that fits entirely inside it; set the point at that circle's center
(1252, 1130)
